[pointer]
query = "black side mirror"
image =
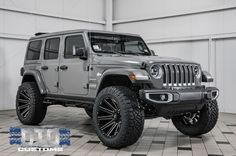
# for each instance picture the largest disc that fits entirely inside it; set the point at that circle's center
(79, 52)
(152, 52)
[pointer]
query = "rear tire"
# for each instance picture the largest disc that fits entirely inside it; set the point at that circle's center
(203, 121)
(29, 104)
(89, 111)
(117, 116)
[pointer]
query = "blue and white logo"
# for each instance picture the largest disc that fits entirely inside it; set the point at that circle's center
(40, 139)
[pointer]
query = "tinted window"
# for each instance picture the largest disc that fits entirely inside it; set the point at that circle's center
(51, 48)
(134, 46)
(72, 41)
(117, 43)
(33, 51)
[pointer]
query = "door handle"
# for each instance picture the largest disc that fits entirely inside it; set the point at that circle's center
(44, 67)
(64, 67)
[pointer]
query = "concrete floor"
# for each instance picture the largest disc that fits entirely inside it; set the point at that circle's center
(159, 136)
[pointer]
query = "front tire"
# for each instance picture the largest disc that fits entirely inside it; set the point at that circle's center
(200, 122)
(29, 104)
(117, 116)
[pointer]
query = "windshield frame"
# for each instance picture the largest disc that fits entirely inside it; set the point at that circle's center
(148, 53)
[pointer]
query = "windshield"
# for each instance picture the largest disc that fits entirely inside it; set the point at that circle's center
(115, 43)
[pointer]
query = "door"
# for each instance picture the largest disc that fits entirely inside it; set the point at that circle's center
(73, 76)
(49, 68)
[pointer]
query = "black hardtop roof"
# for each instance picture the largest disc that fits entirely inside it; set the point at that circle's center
(45, 35)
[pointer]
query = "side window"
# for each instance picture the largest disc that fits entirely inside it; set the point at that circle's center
(51, 48)
(72, 41)
(33, 51)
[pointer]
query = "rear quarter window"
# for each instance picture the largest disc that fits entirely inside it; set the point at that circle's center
(33, 51)
(51, 48)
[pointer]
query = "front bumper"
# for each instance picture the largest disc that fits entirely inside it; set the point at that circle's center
(174, 102)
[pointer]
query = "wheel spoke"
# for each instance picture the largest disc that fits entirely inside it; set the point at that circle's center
(195, 120)
(23, 106)
(25, 111)
(112, 128)
(109, 104)
(107, 124)
(25, 95)
(115, 104)
(186, 120)
(191, 118)
(105, 110)
(23, 101)
(106, 117)
(117, 128)
(26, 114)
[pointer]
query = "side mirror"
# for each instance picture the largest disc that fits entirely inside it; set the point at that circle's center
(79, 52)
(152, 52)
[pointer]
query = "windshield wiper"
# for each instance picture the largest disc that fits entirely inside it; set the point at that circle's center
(122, 52)
(108, 51)
(130, 52)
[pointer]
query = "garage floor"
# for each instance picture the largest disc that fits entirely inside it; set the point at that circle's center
(159, 136)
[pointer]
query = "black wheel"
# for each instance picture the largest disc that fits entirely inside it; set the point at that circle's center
(89, 111)
(197, 123)
(29, 104)
(117, 116)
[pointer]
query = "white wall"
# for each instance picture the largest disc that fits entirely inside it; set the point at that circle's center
(201, 31)
(20, 19)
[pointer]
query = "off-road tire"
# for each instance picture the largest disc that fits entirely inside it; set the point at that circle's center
(131, 116)
(206, 122)
(37, 110)
(89, 111)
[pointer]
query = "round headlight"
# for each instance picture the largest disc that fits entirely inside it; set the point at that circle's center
(196, 70)
(156, 71)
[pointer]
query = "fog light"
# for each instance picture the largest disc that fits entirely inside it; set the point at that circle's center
(163, 97)
(159, 97)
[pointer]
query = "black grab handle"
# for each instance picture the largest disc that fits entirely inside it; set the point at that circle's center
(64, 67)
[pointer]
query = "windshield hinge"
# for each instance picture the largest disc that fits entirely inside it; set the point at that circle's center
(86, 86)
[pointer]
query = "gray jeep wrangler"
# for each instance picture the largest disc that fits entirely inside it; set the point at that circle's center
(119, 82)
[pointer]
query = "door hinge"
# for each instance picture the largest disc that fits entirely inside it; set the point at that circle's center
(86, 86)
(88, 68)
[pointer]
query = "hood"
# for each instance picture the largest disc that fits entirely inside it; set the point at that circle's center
(136, 60)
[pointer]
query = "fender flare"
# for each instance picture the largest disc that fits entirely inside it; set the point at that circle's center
(38, 78)
(206, 77)
(141, 75)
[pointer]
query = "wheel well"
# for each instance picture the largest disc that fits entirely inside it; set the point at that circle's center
(115, 80)
(28, 78)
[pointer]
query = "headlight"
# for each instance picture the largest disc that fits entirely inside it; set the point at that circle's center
(196, 70)
(156, 71)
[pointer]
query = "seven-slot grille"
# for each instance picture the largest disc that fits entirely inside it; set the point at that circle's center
(178, 75)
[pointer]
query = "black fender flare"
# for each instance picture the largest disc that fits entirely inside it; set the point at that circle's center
(141, 75)
(38, 78)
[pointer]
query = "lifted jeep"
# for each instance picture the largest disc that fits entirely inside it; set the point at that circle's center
(119, 82)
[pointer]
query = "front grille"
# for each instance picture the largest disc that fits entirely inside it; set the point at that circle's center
(178, 75)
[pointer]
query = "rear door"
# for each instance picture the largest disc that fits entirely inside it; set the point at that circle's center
(73, 73)
(50, 63)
